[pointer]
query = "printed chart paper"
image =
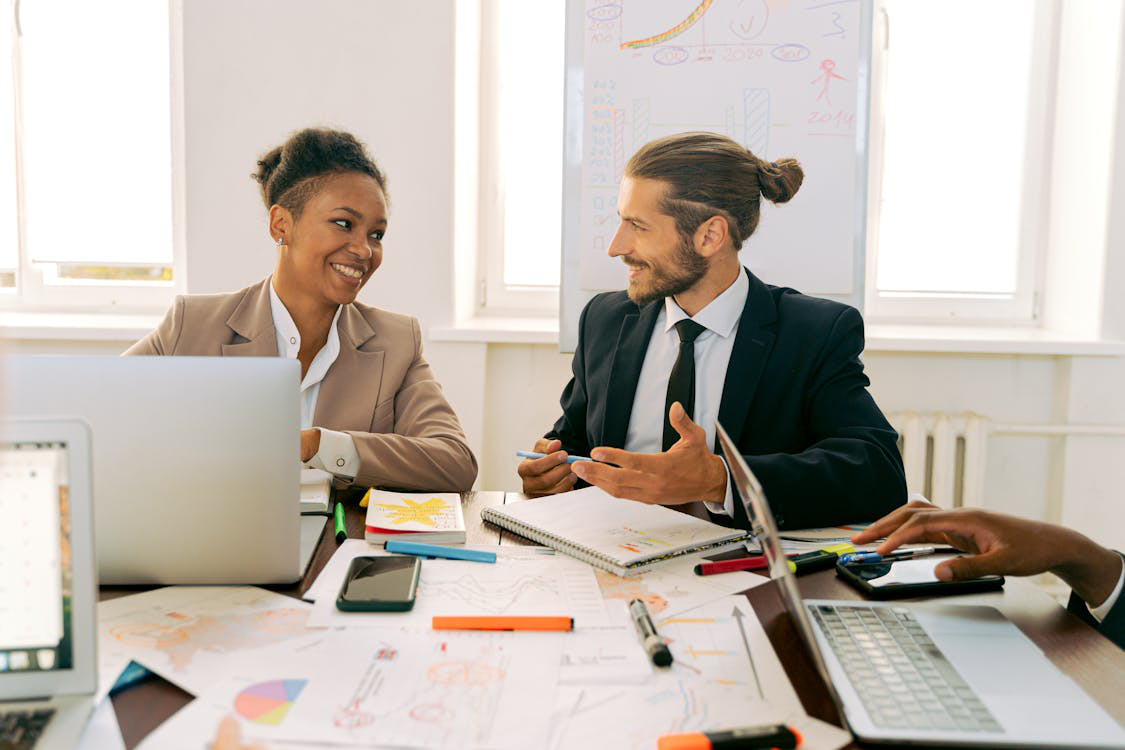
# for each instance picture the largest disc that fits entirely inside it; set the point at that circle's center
(674, 587)
(386, 688)
(722, 677)
(522, 581)
(188, 634)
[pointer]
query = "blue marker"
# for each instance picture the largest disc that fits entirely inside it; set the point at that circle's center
(437, 550)
(569, 459)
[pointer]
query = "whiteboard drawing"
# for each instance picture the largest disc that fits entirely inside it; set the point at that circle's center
(779, 77)
(828, 72)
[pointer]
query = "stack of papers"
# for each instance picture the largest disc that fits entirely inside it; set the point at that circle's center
(316, 487)
(432, 518)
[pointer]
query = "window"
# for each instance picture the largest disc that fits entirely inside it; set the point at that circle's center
(9, 216)
(959, 144)
(521, 114)
(92, 141)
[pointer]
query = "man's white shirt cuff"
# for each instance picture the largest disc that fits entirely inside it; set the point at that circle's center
(728, 504)
(337, 454)
(1099, 612)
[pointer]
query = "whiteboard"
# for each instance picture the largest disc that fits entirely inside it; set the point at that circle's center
(781, 77)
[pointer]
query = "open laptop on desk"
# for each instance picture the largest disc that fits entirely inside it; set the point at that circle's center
(48, 669)
(196, 469)
(928, 674)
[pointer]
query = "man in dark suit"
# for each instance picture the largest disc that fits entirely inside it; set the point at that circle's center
(1000, 544)
(697, 338)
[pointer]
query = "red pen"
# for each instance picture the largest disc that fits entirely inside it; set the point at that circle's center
(758, 562)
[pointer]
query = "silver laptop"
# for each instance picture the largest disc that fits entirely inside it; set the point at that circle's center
(928, 674)
(48, 668)
(196, 461)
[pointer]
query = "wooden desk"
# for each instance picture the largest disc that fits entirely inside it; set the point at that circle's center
(1091, 660)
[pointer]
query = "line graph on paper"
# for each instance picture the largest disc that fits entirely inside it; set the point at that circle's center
(497, 597)
(540, 584)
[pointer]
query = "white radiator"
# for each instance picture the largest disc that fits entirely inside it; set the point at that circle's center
(945, 455)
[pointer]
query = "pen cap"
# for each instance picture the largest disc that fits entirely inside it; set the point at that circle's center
(692, 741)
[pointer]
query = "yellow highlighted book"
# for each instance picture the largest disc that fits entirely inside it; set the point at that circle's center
(431, 517)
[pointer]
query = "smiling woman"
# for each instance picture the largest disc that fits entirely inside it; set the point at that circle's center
(371, 411)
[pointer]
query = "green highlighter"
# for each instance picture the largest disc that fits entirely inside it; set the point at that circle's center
(338, 514)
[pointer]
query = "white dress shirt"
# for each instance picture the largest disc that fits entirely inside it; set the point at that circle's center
(1099, 612)
(713, 348)
(337, 453)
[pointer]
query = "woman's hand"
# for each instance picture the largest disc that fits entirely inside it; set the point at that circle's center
(310, 444)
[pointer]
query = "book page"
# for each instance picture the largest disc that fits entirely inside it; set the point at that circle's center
(419, 511)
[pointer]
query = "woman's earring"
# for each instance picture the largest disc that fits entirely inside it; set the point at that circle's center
(280, 241)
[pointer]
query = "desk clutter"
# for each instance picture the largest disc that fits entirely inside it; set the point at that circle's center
(304, 674)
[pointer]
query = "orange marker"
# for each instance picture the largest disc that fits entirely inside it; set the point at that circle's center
(776, 736)
(503, 623)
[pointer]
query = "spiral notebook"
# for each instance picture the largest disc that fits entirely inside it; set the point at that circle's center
(622, 536)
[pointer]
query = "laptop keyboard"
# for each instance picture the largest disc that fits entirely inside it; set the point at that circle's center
(19, 730)
(903, 679)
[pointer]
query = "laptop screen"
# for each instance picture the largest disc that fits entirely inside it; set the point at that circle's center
(36, 573)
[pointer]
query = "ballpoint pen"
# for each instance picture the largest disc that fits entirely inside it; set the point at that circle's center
(569, 459)
(852, 558)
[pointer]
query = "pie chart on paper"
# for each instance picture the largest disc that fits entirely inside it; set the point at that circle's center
(268, 702)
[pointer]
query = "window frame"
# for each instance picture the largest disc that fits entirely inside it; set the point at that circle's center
(1024, 306)
(493, 296)
(38, 287)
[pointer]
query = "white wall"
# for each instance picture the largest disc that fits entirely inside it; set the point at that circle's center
(254, 70)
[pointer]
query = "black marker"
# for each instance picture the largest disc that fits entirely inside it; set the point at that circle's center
(655, 647)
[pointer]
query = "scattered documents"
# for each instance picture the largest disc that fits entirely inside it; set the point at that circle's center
(523, 581)
(386, 688)
(720, 677)
(433, 518)
(187, 634)
(674, 588)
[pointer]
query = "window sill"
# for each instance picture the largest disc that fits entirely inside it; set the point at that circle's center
(1001, 340)
(997, 340)
(43, 326)
(500, 331)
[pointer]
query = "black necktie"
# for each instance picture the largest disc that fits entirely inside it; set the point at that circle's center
(681, 384)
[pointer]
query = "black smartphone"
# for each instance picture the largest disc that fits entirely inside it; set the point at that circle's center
(380, 584)
(897, 579)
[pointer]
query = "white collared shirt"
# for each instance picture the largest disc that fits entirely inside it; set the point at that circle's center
(713, 348)
(337, 453)
(1103, 609)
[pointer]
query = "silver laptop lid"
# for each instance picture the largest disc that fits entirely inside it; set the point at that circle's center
(196, 460)
(47, 579)
(765, 532)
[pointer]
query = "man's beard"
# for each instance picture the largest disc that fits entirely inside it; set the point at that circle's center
(670, 277)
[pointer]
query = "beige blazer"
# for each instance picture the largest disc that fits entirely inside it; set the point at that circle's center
(379, 390)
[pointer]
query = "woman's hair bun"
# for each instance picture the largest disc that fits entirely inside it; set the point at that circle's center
(287, 175)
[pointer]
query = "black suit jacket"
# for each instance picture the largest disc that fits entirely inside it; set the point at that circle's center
(1112, 627)
(795, 402)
